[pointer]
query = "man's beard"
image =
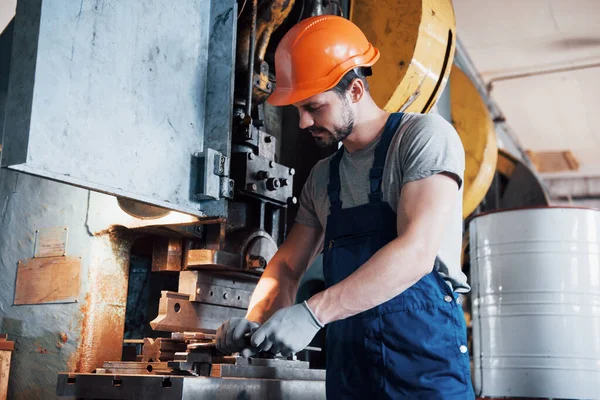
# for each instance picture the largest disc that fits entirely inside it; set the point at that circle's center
(339, 133)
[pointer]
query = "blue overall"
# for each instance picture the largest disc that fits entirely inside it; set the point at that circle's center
(407, 347)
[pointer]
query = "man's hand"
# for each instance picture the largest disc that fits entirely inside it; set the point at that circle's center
(230, 336)
(289, 330)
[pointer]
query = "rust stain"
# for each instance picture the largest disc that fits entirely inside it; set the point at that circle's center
(102, 318)
(41, 350)
(63, 337)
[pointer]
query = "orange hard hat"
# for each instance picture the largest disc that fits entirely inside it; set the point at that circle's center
(315, 54)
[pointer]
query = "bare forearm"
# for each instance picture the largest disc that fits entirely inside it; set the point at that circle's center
(389, 272)
(276, 289)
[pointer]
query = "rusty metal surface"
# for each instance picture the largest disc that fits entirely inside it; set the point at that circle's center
(5, 356)
(103, 313)
(167, 254)
(53, 338)
(5, 344)
(161, 349)
(132, 367)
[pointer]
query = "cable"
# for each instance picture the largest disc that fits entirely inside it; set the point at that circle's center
(339, 6)
(242, 9)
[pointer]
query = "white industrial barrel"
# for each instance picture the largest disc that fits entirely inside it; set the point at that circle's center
(535, 277)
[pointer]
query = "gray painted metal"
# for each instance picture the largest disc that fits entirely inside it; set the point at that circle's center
(112, 95)
(90, 386)
(259, 372)
(536, 290)
(28, 203)
(219, 88)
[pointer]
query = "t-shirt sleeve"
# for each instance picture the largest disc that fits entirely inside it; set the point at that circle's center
(306, 211)
(431, 146)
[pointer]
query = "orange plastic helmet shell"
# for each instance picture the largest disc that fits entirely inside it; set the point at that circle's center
(315, 54)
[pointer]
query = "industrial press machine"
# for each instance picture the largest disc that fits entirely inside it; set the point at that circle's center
(141, 128)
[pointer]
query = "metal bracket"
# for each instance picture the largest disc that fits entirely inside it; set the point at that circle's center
(213, 176)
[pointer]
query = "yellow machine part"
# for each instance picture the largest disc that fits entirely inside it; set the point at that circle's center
(417, 40)
(473, 122)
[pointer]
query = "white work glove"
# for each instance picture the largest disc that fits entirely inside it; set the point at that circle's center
(288, 331)
(230, 336)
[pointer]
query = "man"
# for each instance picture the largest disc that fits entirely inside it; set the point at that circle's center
(378, 209)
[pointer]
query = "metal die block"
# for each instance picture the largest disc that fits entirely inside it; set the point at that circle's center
(277, 363)
(210, 289)
(161, 349)
(155, 387)
(166, 254)
(257, 372)
(259, 176)
(208, 258)
(132, 367)
(177, 314)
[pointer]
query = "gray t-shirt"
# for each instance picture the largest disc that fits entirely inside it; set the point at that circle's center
(424, 145)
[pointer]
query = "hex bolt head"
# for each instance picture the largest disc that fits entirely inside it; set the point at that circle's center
(261, 175)
(273, 184)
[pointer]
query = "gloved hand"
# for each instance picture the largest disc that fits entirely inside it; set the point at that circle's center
(288, 331)
(230, 336)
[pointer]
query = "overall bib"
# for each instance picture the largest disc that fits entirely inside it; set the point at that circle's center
(412, 346)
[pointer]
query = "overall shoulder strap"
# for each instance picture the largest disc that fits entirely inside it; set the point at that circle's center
(376, 172)
(334, 186)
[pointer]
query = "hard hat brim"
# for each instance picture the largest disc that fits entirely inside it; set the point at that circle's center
(287, 96)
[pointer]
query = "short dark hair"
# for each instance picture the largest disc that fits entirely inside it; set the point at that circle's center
(356, 73)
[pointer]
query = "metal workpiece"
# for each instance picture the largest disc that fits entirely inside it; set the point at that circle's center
(176, 313)
(133, 367)
(266, 372)
(536, 290)
(243, 250)
(155, 387)
(161, 349)
(167, 254)
(213, 259)
(212, 289)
